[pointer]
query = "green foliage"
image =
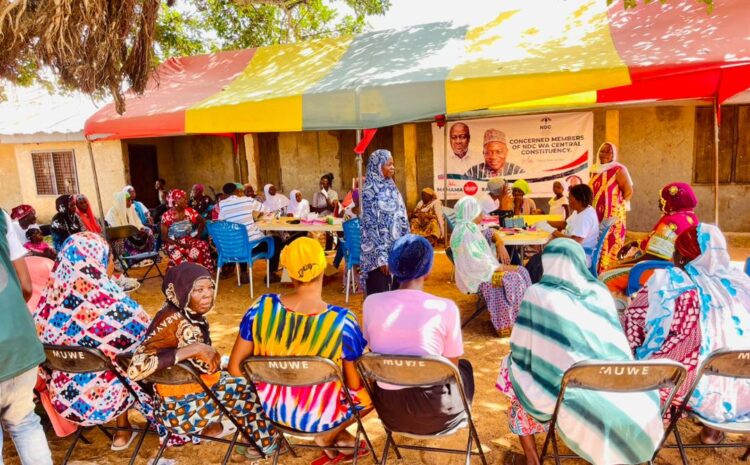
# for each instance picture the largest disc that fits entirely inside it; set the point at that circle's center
(214, 25)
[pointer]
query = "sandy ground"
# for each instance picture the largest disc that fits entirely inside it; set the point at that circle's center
(482, 347)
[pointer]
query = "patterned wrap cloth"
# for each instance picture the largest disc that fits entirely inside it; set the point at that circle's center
(185, 248)
(82, 306)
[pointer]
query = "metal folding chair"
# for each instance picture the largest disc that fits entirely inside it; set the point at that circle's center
(127, 261)
(730, 363)
(79, 360)
(637, 376)
(408, 371)
(184, 373)
(304, 371)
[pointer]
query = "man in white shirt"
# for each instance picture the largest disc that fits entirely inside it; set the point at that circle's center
(238, 209)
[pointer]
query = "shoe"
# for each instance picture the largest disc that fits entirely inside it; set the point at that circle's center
(143, 263)
(115, 448)
(244, 278)
(274, 278)
(127, 284)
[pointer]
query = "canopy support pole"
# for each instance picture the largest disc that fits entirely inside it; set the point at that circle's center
(717, 109)
(96, 183)
(358, 138)
(445, 164)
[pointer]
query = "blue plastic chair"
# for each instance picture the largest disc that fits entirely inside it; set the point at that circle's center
(353, 252)
(233, 246)
(634, 278)
(604, 229)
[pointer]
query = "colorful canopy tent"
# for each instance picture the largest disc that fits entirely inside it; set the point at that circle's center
(579, 52)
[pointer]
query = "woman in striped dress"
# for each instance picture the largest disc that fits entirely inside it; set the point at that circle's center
(572, 305)
(302, 324)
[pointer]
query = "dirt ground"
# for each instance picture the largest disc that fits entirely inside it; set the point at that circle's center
(482, 347)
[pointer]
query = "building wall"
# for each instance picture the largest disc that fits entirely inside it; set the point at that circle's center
(11, 185)
(304, 157)
(657, 146)
(109, 166)
(207, 160)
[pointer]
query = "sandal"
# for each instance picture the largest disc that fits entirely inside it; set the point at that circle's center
(325, 459)
(115, 448)
(362, 451)
(704, 440)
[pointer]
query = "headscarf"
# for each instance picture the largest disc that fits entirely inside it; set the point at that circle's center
(384, 217)
(677, 197)
(120, 214)
(199, 188)
(496, 185)
(687, 243)
(599, 167)
(87, 218)
(64, 220)
(473, 258)
(174, 196)
(569, 316)
(297, 209)
(304, 259)
(411, 258)
(20, 211)
(523, 185)
(274, 202)
(177, 287)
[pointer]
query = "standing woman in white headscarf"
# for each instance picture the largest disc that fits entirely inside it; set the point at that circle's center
(613, 188)
(274, 201)
(383, 221)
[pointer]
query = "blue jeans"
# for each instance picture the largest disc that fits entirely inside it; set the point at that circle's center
(18, 419)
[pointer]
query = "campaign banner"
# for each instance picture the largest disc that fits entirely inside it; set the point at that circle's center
(541, 149)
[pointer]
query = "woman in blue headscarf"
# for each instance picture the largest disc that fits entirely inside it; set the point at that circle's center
(384, 220)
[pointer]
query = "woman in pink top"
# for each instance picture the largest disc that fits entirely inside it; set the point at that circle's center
(409, 321)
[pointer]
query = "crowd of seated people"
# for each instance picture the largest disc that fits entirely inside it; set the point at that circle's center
(554, 310)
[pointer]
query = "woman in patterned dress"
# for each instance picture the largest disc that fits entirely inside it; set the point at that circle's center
(180, 332)
(82, 306)
(329, 331)
(686, 312)
(677, 201)
(479, 269)
(383, 222)
(613, 189)
(181, 231)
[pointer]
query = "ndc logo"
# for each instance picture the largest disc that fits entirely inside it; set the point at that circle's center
(546, 123)
(470, 188)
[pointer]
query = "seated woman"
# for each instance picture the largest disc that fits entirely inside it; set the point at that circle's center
(427, 217)
(684, 313)
(478, 268)
(298, 207)
(324, 201)
(140, 209)
(677, 201)
(181, 229)
(333, 333)
(522, 205)
(65, 223)
(123, 213)
(82, 306)
(274, 202)
(36, 245)
(86, 215)
(409, 321)
(570, 303)
(199, 201)
(180, 332)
